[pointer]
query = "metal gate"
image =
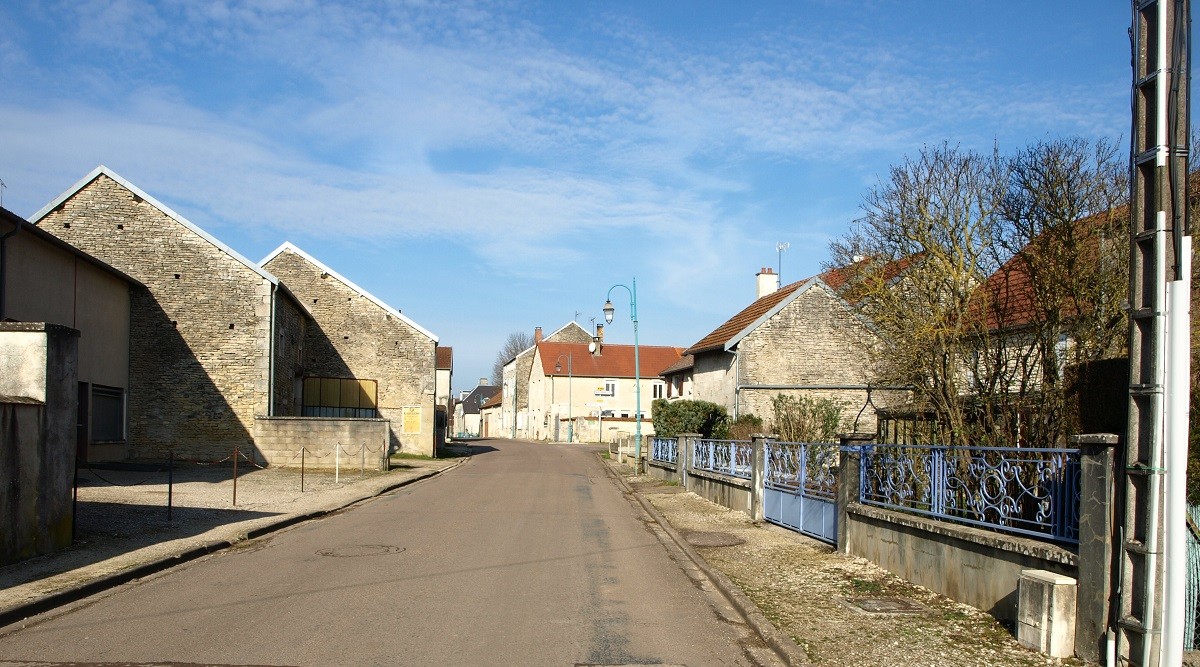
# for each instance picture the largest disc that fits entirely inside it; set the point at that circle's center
(800, 487)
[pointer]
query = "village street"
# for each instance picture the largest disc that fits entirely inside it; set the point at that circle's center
(524, 554)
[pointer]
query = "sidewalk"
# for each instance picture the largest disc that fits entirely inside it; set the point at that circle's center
(807, 593)
(122, 530)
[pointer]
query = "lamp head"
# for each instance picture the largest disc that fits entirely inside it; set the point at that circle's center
(608, 311)
(558, 367)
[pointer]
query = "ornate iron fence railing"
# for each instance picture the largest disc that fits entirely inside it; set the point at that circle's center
(664, 450)
(1026, 491)
(727, 457)
(809, 468)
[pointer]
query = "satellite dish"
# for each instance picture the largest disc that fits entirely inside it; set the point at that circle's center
(592, 347)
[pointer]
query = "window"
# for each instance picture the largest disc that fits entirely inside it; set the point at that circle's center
(659, 390)
(108, 414)
(609, 388)
(339, 397)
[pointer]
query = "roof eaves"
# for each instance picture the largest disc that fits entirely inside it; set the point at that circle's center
(736, 338)
(103, 170)
(290, 247)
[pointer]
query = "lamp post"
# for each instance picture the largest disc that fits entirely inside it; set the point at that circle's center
(637, 369)
(558, 369)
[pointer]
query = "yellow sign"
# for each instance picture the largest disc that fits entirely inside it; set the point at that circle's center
(412, 419)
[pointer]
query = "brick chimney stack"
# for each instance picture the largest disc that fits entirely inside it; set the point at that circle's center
(537, 335)
(768, 282)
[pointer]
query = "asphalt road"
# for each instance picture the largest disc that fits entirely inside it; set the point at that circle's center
(528, 554)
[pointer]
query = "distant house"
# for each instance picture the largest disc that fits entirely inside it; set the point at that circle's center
(467, 411)
(491, 417)
(601, 384)
(215, 339)
(801, 339)
(515, 379)
(443, 402)
(678, 378)
(44, 279)
(363, 358)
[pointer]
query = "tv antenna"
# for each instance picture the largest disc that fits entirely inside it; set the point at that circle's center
(780, 247)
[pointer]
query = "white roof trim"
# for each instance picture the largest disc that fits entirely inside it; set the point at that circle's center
(809, 284)
(288, 246)
(156, 204)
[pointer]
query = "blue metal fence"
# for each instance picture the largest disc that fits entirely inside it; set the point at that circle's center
(1191, 628)
(800, 487)
(664, 450)
(1027, 491)
(727, 457)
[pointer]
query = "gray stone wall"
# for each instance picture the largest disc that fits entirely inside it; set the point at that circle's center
(362, 442)
(814, 341)
(199, 335)
(354, 338)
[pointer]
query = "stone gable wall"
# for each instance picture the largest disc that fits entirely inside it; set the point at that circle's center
(199, 335)
(815, 341)
(354, 338)
(291, 326)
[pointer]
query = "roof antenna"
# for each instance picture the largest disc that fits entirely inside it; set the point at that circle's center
(2, 186)
(780, 247)
(577, 314)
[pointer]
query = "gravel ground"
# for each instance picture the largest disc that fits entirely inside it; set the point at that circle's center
(806, 591)
(121, 516)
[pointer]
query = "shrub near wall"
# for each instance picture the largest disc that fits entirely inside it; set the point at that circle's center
(674, 417)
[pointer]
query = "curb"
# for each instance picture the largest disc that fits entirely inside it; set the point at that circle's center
(105, 582)
(781, 644)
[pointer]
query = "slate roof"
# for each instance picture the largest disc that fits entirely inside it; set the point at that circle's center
(445, 359)
(494, 401)
(614, 361)
(471, 404)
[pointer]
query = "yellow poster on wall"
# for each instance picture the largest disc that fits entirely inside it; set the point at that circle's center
(412, 419)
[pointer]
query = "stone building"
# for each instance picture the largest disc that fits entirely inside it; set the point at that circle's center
(362, 358)
(215, 340)
(801, 339)
(515, 379)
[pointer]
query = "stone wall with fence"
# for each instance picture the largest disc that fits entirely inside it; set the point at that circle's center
(322, 443)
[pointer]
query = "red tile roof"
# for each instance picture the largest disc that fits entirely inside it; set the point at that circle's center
(614, 361)
(445, 358)
(686, 362)
(492, 402)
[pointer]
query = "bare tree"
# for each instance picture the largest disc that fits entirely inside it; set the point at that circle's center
(516, 343)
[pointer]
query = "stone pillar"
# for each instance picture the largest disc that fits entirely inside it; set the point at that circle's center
(849, 476)
(758, 474)
(1097, 521)
(685, 458)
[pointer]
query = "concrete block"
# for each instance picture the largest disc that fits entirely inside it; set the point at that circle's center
(1046, 613)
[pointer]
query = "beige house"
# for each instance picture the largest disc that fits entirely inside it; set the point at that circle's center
(799, 339)
(215, 338)
(515, 417)
(43, 279)
(363, 358)
(571, 389)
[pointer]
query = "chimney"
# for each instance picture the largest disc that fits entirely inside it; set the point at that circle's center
(483, 382)
(600, 333)
(598, 340)
(537, 335)
(768, 282)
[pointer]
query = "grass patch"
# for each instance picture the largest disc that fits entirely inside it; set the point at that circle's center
(866, 586)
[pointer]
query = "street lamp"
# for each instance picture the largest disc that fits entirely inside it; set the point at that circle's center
(558, 369)
(637, 369)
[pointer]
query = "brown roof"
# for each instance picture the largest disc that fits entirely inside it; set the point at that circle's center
(445, 358)
(838, 279)
(685, 363)
(614, 361)
(494, 401)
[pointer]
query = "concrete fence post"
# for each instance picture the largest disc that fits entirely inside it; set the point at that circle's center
(758, 474)
(849, 476)
(1097, 521)
(685, 457)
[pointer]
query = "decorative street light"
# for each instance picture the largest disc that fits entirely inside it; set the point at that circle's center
(637, 369)
(558, 369)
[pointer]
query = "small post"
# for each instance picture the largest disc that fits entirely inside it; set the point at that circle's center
(1098, 519)
(686, 454)
(302, 451)
(758, 474)
(337, 462)
(849, 483)
(235, 458)
(362, 465)
(170, 482)
(75, 500)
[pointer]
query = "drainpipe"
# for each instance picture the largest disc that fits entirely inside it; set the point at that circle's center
(3, 263)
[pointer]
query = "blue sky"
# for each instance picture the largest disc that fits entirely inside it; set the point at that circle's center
(495, 166)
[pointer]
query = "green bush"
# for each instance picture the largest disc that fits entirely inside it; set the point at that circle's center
(674, 417)
(806, 419)
(745, 426)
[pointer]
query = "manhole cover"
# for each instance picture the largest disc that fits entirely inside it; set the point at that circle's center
(885, 606)
(358, 550)
(703, 539)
